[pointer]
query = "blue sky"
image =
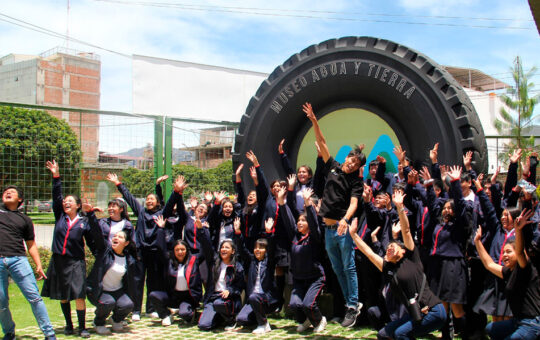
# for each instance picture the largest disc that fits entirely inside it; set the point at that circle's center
(233, 33)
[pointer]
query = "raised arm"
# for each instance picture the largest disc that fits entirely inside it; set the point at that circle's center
(98, 239)
(512, 174)
(519, 223)
(285, 214)
(241, 197)
(491, 266)
(57, 196)
(130, 199)
(364, 248)
(397, 198)
(311, 214)
(308, 110)
(159, 191)
(285, 162)
(180, 185)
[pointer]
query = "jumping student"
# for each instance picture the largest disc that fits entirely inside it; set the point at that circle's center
(111, 283)
(403, 273)
(522, 286)
(145, 237)
(250, 212)
(306, 254)
(66, 275)
(342, 190)
(260, 285)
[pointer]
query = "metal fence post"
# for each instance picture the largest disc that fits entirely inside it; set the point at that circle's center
(158, 148)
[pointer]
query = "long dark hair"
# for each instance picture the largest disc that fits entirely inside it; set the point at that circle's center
(77, 201)
(122, 205)
(217, 264)
(131, 248)
(173, 258)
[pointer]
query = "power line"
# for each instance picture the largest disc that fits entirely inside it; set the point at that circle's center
(36, 28)
(264, 12)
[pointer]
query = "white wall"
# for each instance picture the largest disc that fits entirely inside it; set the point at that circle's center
(189, 90)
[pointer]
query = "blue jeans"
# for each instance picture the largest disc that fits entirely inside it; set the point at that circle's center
(404, 328)
(515, 329)
(341, 254)
(20, 271)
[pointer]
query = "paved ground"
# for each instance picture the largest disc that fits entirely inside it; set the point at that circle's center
(151, 329)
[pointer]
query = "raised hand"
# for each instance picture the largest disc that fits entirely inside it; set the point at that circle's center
(478, 235)
(467, 160)
(198, 224)
(308, 110)
(253, 175)
(433, 153)
(374, 234)
(193, 202)
(515, 156)
(251, 156)
(112, 177)
(237, 223)
(291, 181)
(478, 182)
(282, 193)
(523, 219)
(494, 177)
(160, 221)
(280, 147)
(400, 153)
(208, 196)
(397, 198)
(180, 184)
(219, 196)
(269, 225)
(367, 195)
(455, 173)
(161, 179)
(526, 167)
(238, 172)
(424, 173)
(86, 206)
(412, 177)
(306, 194)
(53, 168)
(381, 159)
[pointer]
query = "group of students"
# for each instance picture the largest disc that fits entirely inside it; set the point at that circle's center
(425, 249)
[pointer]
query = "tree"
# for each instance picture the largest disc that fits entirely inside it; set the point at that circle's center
(28, 138)
(519, 122)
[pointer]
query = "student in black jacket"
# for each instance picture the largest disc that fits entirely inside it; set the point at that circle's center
(183, 279)
(66, 275)
(222, 298)
(522, 286)
(306, 254)
(145, 239)
(260, 285)
(111, 283)
(404, 274)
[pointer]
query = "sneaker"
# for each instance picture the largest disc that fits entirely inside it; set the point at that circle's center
(350, 317)
(154, 315)
(336, 319)
(135, 317)
(118, 326)
(84, 333)
(304, 326)
(68, 331)
(166, 321)
(50, 337)
(9, 336)
(321, 326)
(262, 329)
(102, 330)
(230, 327)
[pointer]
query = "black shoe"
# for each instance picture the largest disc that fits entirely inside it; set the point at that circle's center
(84, 333)
(350, 317)
(9, 336)
(68, 330)
(50, 337)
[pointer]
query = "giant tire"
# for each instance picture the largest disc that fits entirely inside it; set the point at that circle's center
(429, 107)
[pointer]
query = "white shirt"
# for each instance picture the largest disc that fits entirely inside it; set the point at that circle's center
(470, 196)
(181, 282)
(222, 235)
(220, 285)
(116, 227)
(112, 280)
(258, 288)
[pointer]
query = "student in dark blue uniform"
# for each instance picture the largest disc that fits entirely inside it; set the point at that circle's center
(183, 279)
(404, 274)
(145, 239)
(306, 254)
(222, 298)
(250, 212)
(66, 275)
(522, 286)
(111, 283)
(260, 284)
(221, 219)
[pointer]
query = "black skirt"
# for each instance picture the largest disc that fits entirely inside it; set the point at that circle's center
(492, 301)
(66, 279)
(448, 278)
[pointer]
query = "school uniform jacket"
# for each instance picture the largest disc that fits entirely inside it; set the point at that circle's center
(68, 237)
(104, 261)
